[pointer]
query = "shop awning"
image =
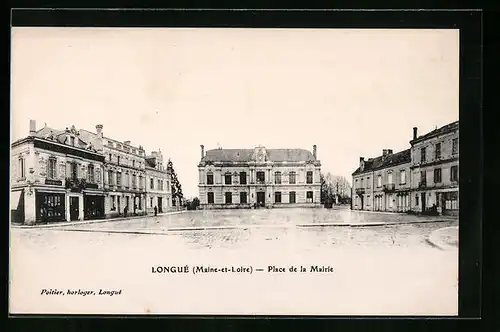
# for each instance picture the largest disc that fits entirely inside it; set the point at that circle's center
(15, 196)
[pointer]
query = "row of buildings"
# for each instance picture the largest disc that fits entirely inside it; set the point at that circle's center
(422, 178)
(75, 174)
(259, 177)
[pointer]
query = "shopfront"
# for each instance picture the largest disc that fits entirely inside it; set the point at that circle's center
(17, 206)
(50, 206)
(93, 206)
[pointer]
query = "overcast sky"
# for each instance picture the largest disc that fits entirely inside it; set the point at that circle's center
(350, 92)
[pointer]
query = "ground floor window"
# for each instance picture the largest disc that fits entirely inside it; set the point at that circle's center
(416, 200)
(151, 202)
(367, 200)
(50, 207)
(291, 196)
(450, 200)
(309, 197)
(210, 198)
(277, 197)
(229, 198)
(243, 198)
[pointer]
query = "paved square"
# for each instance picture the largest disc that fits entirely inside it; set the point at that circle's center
(389, 269)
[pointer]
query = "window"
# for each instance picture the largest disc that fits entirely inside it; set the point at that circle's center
(291, 177)
(210, 198)
(51, 168)
(227, 179)
(134, 181)
(454, 146)
(309, 197)
(243, 198)
(118, 160)
(74, 170)
(357, 184)
(451, 200)
(390, 201)
(454, 173)
(402, 176)
(133, 163)
(151, 202)
(389, 178)
(277, 177)
(261, 177)
(110, 157)
(422, 155)
(379, 181)
(309, 177)
(437, 175)
(416, 200)
(292, 196)
(159, 184)
(229, 198)
(423, 177)
(151, 183)
(22, 170)
(118, 179)
(368, 184)
(362, 183)
(110, 177)
(277, 197)
(210, 178)
(367, 200)
(243, 178)
(91, 173)
(438, 151)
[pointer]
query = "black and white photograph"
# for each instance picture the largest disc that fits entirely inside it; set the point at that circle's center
(234, 171)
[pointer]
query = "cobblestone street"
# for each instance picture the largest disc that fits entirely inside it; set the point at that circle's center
(389, 269)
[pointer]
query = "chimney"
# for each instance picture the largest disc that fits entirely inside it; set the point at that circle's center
(362, 162)
(32, 127)
(202, 151)
(384, 152)
(314, 151)
(414, 132)
(389, 151)
(126, 142)
(98, 129)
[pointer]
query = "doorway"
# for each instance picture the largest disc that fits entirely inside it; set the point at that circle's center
(261, 198)
(74, 208)
(160, 204)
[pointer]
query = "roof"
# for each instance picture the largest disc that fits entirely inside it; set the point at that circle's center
(439, 131)
(246, 155)
(386, 161)
(82, 140)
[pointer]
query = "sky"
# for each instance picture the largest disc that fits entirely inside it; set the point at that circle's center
(352, 93)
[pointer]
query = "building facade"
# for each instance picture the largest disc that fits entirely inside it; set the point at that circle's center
(158, 182)
(56, 175)
(124, 175)
(435, 174)
(383, 183)
(422, 178)
(259, 177)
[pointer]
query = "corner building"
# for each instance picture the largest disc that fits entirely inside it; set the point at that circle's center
(259, 177)
(56, 175)
(435, 175)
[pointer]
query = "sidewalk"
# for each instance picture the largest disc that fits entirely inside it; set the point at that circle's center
(369, 224)
(86, 222)
(444, 238)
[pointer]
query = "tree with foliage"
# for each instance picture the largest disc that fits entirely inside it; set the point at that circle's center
(175, 184)
(192, 204)
(334, 189)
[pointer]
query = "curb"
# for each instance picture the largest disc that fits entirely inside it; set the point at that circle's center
(87, 222)
(372, 224)
(433, 239)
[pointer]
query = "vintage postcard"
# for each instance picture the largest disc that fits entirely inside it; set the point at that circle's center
(211, 171)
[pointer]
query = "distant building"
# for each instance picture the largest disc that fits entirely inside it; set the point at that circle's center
(383, 183)
(158, 184)
(56, 175)
(435, 174)
(243, 178)
(422, 178)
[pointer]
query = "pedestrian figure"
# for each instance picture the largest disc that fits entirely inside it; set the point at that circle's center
(156, 211)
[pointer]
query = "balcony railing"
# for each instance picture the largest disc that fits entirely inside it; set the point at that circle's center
(389, 187)
(360, 191)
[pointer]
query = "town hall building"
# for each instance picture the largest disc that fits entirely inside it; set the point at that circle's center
(259, 177)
